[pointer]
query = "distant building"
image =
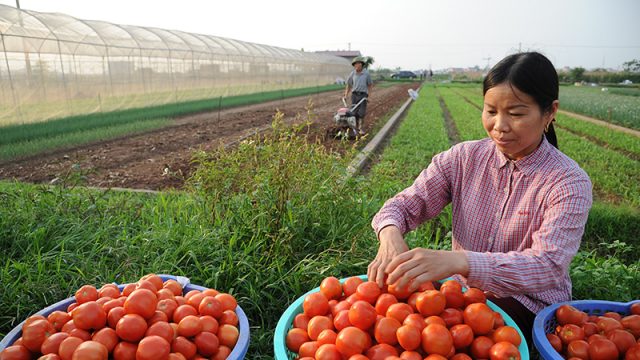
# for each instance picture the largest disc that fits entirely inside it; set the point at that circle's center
(347, 54)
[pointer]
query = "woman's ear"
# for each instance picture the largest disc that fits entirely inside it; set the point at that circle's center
(551, 114)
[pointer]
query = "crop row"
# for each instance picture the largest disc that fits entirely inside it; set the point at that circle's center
(605, 105)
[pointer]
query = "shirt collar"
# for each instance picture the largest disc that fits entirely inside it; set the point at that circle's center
(529, 163)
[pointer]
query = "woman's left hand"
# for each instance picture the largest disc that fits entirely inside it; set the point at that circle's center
(419, 265)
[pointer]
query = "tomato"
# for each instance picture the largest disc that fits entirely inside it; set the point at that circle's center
(452, 317)
(15, 352)
(86, 293)
(327, 336)
(571, 332)
(431, 302)
(462, 335)
(589, 329)
(399, 293)
(474, 295)
(301, 321)
(317, 324)
(131, 327)
(578, 349)
(480, 347)
(114, 316)
(210, 306)
(182, 311)
(68, 346)
(368, 291)
(167, 306)
(415, 320)
(356, 357)
(504, 350)
(613, 315)
(409, 337)
(222, 354)
(142, 302)
(125, 351)
(229, 317)
(189, 326)
(35, 333)
(158, 316)
(209, 324)
(184, 346)
(383, 302)
(454, 297)
(315, 304)
(153, 348)
(162, 329)
(207, 343)
(81, 334)
(498, 320)
(331, 288)
(381, 352)
(633, 353)
(228, 335)
(109, 290)
(228, 301)
(341, 320)
(436, 339)
(107, 337)
(342, 305)
(328, 352)
(567, 314)
(112, 304)
(399, 311)
(480, 317)
(631, 323)
(602, 349)
(460, 356)
(308, 349)
(385, 331)
(155, 280)
(506, 333)
(434, 319)
(196, 299)
(174, 286)
(90, 350)
(435, 357)
(606, 324)
(350, 285)
(411, 355)
(146, 284)
(362, 315)
(635, 308)
(163, 294)
(58, 319)
(623, 339)
(128, 289)
(352, 340)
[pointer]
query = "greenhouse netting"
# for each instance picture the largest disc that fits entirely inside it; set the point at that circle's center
(54, 65)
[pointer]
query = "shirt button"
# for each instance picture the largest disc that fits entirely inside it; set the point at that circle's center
(497, 214)
(506, 190)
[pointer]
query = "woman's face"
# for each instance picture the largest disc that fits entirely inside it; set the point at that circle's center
(514, 121)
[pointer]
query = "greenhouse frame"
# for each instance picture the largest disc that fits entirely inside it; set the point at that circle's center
(54, 65)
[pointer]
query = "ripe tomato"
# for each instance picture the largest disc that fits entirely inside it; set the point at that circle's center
(434, 319)
(125, 351)
(400, 293)
(228, 335)
(341, 320)
(474, 295)
(431, 302)
(606, 324)
(207, 343)
(452, 317)
(631, 323)
(399, 311)
(189, 326)
(507, 333)
(480, 317)
(504, 350)
(90, 350)
(383, 302)
(68, 346)
(35, 333)
(328, 352)
(327, 336)
(622, 338)
(142, 302)
(107, 337)
(157, 317)
(174, 286)
(317, 324)
(58, 319)
(165, 294)
(578, 349)
(155, 280)
(633, 353)
(409, 337)
(89, 315)
(109, 290)
(86, 293)
(567, 314)
(209, 324)
(146, 284)
(350, 285)
(308, 349)
(570, 332)
(331, 288)
(162, 329)
(229, 317)
(128, 289)
(555, 342)
(182, 311)
(315, 304)
(385, 331)
(131, 327)
(460, 356)
(635, 308)
(114, 316)
(602, 349)
(184, 346)
(415, 320)
(454, 296)
(362, 315)
(15, 352)
(480, 347)
(210, 306)
(222, 354)
(152, 348)
(462, 335)
(296, 337)
(352, 340)
(436, 339)
(411, 355)
(368, 291)
(301, 321)
(228, 301)
(167, 306)
(381, 352)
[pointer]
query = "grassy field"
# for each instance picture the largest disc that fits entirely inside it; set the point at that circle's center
(265, 221)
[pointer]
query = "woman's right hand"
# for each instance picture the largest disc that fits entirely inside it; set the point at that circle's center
(391, 244)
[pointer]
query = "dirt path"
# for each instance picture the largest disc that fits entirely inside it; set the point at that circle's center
(160, 159)
(600, 122)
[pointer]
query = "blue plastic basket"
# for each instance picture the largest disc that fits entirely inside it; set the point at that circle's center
(286, 323)
(545, 321)
(239, 351)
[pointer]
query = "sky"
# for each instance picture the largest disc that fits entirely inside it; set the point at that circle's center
(407, 34)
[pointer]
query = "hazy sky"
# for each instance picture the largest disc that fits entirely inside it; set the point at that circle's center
(411, 34)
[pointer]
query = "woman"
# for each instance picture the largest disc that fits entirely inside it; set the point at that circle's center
(519, 204)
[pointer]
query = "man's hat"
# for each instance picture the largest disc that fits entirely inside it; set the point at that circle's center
(356, 59)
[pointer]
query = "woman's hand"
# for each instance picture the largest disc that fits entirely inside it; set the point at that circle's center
(391, 244)
(419, 265)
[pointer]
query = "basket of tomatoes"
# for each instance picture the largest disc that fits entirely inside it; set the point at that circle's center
(158, 317)
(588, 329)
(355, 319)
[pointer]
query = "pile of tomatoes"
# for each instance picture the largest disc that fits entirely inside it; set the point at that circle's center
(357, 320)
(148, 320)
(610, 336)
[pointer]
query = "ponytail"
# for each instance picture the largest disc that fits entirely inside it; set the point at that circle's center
(550, 134)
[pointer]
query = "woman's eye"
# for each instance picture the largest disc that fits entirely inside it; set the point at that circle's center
(491, 112)
(516, 114)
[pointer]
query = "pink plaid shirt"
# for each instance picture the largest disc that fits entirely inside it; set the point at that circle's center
(519, 222)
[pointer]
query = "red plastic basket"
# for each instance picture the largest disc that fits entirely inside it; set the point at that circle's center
(545, 321)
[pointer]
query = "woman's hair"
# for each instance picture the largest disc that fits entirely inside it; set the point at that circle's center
(533, 74)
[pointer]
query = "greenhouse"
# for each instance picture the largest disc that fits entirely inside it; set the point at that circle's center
(54, 65)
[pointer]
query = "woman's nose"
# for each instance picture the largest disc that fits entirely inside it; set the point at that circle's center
(501, 122)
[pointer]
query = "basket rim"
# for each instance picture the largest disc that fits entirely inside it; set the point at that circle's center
(280, 349)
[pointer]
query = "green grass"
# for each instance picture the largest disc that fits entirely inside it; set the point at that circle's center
(605, 105)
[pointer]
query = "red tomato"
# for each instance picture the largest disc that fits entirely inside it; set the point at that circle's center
(68, 346)
(107, 337)
(228, 301)
(114, 316)
(415, 320)
(341, 320)
(189, 326)
(633, 353)
(381, 352)
(368, 291)
(162, 329)
(317, 324)
(167, 306)
(131, 327)
(383, 302)
(58, 319)
(328, 352)
(631, 323)
(578, 349)
(125, 351)
(315, 304)
(228, 335)
(35, 333)
(480, 317)
(109, 290)
(209, 324)
(52, 343)
(431, 302)
(15, 352)
(622, 338)
(90, 350)
(411, 355)
(308, 349)
(222, 354)
(504, 350)
(153, 348)
(350, 285)
(606, 324)
(207, 343)
(86, 293)
(327, 336)
(474, 295)
(454, 297)
(182, 311)
(506, 333)
(635, 308)
(409, 337)
(462, 335)
(399, 293)
(570, 332)
(352, 340)
(184, 346)
(436, 339)
(155, 280)
(210, 306)
(480, 347)
(460, 356)
(331, 288)
(128, 289)
(452, 317)
(362, 315)
(385, 331)
(142, 302)
(174, 286)
(602, 349)
(301, 321)
(567, 314)
(229, 317)
(399, 311)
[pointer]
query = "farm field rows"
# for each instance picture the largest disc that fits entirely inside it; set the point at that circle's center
(267, 235)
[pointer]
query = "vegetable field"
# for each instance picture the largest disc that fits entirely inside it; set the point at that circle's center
(267, 220)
